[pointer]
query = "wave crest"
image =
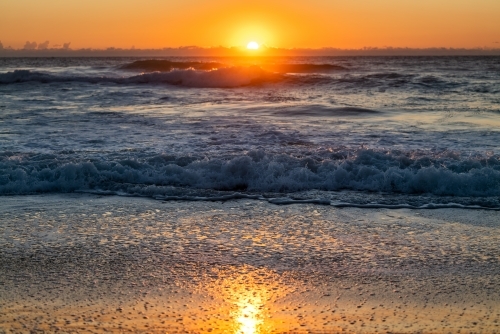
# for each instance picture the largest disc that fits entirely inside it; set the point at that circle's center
(156, 65)
(167, 65)
(238, 76)
(220, 78)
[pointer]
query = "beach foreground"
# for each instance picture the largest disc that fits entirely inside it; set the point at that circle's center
(87, 263)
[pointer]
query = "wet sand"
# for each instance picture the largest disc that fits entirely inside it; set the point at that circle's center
(85, 263)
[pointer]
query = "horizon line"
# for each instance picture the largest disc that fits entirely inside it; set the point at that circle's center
(223, 51)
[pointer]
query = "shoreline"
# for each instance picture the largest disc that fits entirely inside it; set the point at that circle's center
(82, 263)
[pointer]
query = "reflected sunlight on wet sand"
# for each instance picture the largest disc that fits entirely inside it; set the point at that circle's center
(108, 264)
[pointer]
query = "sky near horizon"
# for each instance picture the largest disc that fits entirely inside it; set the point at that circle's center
(342, 24)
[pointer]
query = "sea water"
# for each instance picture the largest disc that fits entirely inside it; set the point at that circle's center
(376, 136)
(418, 132)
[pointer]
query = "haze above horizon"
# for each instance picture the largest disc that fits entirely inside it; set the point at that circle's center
(278, 23)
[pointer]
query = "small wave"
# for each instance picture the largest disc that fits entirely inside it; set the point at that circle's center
(308, 79)
(323, 111)
(484, 89)
(19, 76)
(220, 78)
(431, 81)
(302, 68)
(290, 201)
(337, 204)
(167, 65)
(154, 65)
(389, 79)
(397, 80)
(429, 206)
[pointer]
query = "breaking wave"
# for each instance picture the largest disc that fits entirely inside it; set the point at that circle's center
(219, 78)
(254, 172)
(208, 75)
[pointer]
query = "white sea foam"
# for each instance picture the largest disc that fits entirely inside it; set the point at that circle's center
(253, 172)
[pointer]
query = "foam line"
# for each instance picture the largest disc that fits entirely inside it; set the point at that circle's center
(286, 201)
(208, 199)
(428, 206)
(323, 201)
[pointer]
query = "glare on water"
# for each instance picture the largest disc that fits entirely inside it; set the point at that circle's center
(248, 315)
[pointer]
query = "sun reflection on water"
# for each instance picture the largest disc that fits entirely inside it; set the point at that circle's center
(248, 316)
(248, 294)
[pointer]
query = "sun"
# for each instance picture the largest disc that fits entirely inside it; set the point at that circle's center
(252, 45)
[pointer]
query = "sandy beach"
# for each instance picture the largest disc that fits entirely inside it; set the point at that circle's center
(87, 263)
(249, 167)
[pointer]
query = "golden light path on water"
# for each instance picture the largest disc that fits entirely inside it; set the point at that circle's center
(245, 294)
(248, 315)
(249, 296)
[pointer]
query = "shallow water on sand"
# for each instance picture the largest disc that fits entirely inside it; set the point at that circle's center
(83, 263)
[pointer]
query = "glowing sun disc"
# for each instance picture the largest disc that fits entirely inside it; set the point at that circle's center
(252, 45)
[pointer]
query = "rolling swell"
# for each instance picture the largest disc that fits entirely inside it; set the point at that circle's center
(320, 110)
(302, 68)
(154, 65)
(220, 78)
(397, 80)
(167, 65)
(255, 172)
(239, 76)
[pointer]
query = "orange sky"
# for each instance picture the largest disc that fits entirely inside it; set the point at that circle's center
(277, 23)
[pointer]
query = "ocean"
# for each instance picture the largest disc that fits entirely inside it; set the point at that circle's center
(353, 130)
(250, 195)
